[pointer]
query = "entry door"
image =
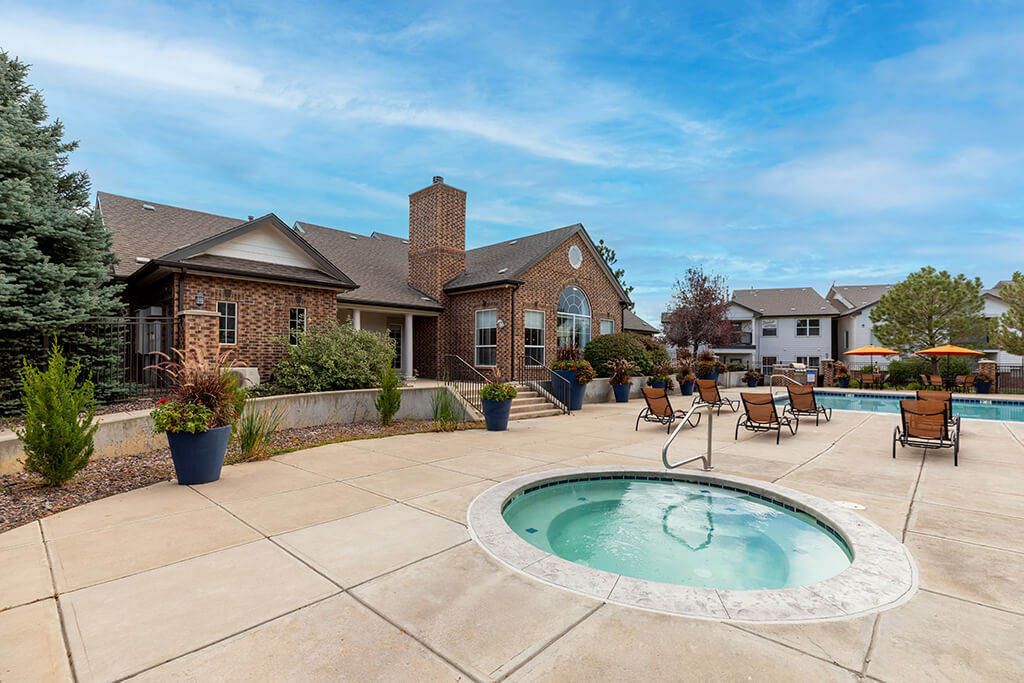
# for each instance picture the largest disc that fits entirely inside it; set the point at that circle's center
(395, 332)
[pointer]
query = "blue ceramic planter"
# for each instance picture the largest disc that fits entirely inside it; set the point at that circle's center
(658, 385)
(686, 387)
(575, 390)
(496, 414)
(199, 457)
(844, 382)
(751, 382)
(982, 387)
(621, 392)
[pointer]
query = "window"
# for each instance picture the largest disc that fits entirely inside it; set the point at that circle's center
(395, 333)
(487, 338)
(296, 324)
(607, 326)
(573, 318)
(808, 327)
(768, 365)
(846, 339)
(228, 322)
(533, 334)
(769, 328)
(809, 361)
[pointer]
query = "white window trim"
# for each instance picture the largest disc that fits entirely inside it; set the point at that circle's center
(808, 321)
(303, 331)
(601, 324)
(224, 316)
(476, 339)
(543, 336)
(774, 327)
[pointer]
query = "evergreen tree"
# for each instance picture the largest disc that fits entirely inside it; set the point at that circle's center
(1009, 335)
(608, 254)
(57, 260)
(930, 308)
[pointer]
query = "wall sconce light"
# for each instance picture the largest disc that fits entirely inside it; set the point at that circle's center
(199, 299)
(501, 323)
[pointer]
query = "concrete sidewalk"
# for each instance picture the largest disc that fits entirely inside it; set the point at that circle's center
(353, 560)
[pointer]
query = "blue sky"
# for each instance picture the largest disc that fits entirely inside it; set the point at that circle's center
(780, 144)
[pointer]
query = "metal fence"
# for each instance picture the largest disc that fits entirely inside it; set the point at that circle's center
(1010, 378)
(127, 346)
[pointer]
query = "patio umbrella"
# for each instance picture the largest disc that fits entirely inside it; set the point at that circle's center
(872, 351)
(948, 350)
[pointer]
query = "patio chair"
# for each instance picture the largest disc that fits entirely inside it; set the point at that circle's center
(946, 398)
(931, 381)
(923, 424)
(967, 384)
(803, 402)
(707, 392)
(759, 415)
(869, 379)
(659, 409)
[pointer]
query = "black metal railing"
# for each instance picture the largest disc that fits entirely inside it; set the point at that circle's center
(532, 373)
(742, 339)
(1009, 378)
(464, 379)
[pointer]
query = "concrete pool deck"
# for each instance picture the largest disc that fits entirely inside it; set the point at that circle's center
(353, 560)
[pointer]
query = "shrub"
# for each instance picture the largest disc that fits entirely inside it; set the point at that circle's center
(333, 356)
(915, 386)
(619, 346)
(736, 366)
(655, 352)
(621, 370)
(254, 429)
(904, 371)
(445, 409)
(498, 391)
(58, 430)
(389, 398)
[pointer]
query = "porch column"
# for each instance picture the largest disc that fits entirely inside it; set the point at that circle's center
(407, 347)
(355, 319)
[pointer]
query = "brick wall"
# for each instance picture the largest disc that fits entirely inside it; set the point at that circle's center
(458, 327)
(197, 335)
(263, 313)
(437, 236)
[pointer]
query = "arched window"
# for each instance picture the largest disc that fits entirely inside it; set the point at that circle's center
(573, 318)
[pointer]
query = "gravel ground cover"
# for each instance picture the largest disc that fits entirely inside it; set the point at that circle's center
(23, 498)
(142, 403)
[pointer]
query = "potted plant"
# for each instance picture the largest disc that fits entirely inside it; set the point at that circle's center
(496, 398)
(622, 372)
(573, 374)
(752, 378)
(720, 368)
(982, 384)
(685, 377)
(842, 374)
(705, 369)
(660, 377)
(202, 404)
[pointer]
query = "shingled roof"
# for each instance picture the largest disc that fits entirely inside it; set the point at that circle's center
(514, 257)
(852, 298)
(781, 302)
(631, 322)
(379, 263)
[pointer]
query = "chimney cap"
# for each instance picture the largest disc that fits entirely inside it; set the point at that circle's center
(438, 180)
(250, 217)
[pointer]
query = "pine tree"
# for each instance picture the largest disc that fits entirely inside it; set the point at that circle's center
(1009, 335)
(56, 267)
(608, 254)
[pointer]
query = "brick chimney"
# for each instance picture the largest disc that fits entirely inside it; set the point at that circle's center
(437, 236)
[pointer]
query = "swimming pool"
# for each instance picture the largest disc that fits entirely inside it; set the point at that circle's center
(974, 407)
(679, 532)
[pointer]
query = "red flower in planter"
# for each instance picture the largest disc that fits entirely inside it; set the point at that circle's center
(161, 401)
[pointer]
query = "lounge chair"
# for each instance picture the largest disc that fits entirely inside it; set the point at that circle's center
(707, 392)
(803, 402)
(759, 415)
(659, 410)
(924, 425)
(947, 399)
(931, 381)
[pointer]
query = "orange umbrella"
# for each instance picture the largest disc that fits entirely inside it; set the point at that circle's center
(948, 350)
(872, 350)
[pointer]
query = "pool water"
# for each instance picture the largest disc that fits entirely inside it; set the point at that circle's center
(677, 532)
(975, 408)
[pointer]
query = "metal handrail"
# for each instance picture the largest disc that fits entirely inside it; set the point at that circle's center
(467, 388)
(786, 377)
(522, 371)
(707, 456)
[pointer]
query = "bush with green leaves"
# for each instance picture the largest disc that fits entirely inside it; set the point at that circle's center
(389, 398)
(58, 431)
(333, 356)
(621, 345)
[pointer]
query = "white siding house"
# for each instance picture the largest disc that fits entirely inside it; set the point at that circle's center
(853, 326)
(995, 307)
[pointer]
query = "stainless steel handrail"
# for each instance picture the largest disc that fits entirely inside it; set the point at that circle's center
(682, 423)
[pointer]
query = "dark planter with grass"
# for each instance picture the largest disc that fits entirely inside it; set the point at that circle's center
(686, 386)
(844, 382)
(621, 392)
(496, 414)
(198, 458)
(658, 385)
(752, 382)
(570, 394)
(982, 387)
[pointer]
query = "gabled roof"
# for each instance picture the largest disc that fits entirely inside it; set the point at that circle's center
(506, 262)
(379, 263)
(786, 301)
(631, 322)
(143, 230)
(995, 290)
(852, 298)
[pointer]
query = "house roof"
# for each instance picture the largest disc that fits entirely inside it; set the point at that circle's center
(633, 323)
(781, 302)
(379, 263)
(514, 257)
(148, 236)
(852, 298)
(996, 288)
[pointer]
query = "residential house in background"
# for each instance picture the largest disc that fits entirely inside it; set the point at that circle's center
(497, 308)
(995, 307)
(853, 328)
(777, 327)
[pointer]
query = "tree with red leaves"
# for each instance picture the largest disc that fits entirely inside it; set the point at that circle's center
(697, 317)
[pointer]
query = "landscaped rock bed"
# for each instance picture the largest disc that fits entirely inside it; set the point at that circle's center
(23, 498)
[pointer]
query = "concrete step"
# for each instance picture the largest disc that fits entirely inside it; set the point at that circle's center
(548, 412)
(526, 393)
(527, 401)
(529, 408)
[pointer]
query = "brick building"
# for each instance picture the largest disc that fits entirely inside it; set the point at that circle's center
(498, 308)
